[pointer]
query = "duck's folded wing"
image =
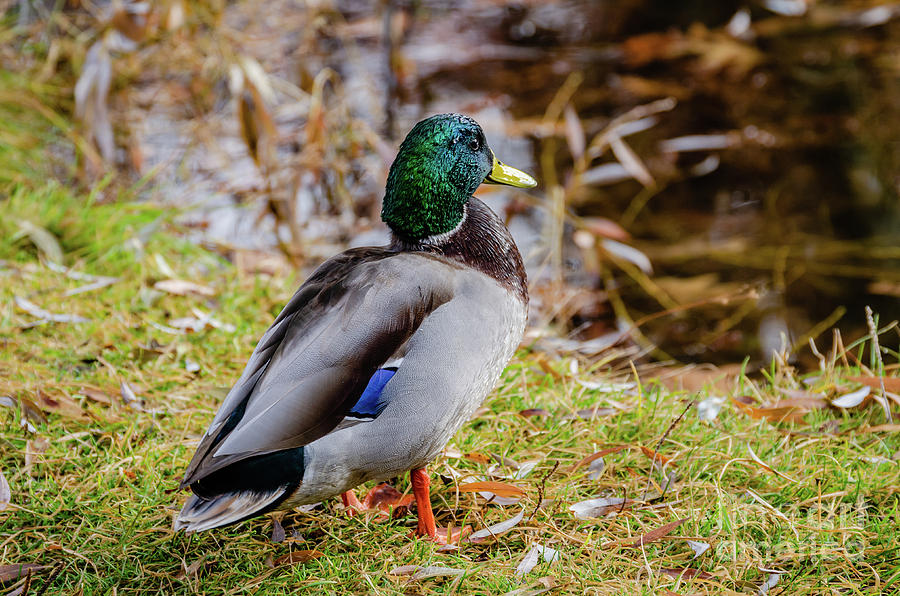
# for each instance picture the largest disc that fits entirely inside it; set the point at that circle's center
(314, 362)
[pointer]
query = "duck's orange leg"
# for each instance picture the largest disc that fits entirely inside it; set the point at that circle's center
(351, 502)
(426, 526)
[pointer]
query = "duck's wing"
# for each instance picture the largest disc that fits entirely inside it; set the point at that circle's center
(312, 365)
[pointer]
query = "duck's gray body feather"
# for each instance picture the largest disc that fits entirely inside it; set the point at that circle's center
(454, 323)
(450, 365)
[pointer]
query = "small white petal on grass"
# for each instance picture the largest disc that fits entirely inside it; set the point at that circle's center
(417, 572)
(698, 547)
(163, 265)
(769, 583)
(44, 315)
(183, 287)
(130, 397)
(606, 386)
(709, 408)
(96, 281)
(191, 366)
(496, 530)
(876, 459)
(852, 399)
(166, 328)
(5, 492)
(550, 555)
(595, 468)
(213, 322)
(525, 469)
(599, 507)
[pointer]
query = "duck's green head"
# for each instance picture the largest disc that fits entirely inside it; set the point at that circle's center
(441, 162)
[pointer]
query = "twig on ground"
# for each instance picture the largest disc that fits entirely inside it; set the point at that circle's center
(659, 444)
(876, 350)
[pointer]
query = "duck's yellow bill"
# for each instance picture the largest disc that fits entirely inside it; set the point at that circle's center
(504, 174)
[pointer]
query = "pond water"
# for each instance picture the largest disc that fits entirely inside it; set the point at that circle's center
(764, 193)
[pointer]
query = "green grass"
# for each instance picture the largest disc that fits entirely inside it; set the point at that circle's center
(93, 480)
(93, 486)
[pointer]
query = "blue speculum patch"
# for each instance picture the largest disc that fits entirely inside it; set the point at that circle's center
(368, 405)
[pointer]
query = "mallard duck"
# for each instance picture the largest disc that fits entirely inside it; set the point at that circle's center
(382, 354)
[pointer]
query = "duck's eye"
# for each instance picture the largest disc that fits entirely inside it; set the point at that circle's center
(474, 145)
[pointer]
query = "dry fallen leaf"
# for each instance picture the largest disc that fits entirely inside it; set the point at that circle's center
(60, 404)
(654, 535)
(882, 428)
(550, 555)
(298, 556)
(592, 413)
(5, 492)
(417, 572)
(687, 572)
(602, 453)
(9, 573)
(501, 489)
(96, 395)
(890, 383)
(600, 507)
(278, 534)
(788, 414)
(852, 399)
(44, 315)
(709, 408)
(698, 547)
(533, 412)
(385, 497)
(33, 448)
(656, 457)
(496, 530)
(43, 239)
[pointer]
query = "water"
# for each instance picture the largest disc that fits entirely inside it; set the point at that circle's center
(785, 204)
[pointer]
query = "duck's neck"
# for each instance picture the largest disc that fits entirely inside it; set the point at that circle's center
(480, 241)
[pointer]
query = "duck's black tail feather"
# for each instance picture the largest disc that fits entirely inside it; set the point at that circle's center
(242, 490)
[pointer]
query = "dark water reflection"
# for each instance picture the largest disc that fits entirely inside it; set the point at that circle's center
(803, 205)
(790, 194)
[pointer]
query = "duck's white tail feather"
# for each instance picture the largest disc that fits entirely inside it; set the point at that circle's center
(200, 514)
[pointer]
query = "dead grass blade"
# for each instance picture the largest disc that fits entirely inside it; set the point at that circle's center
(766, 466)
